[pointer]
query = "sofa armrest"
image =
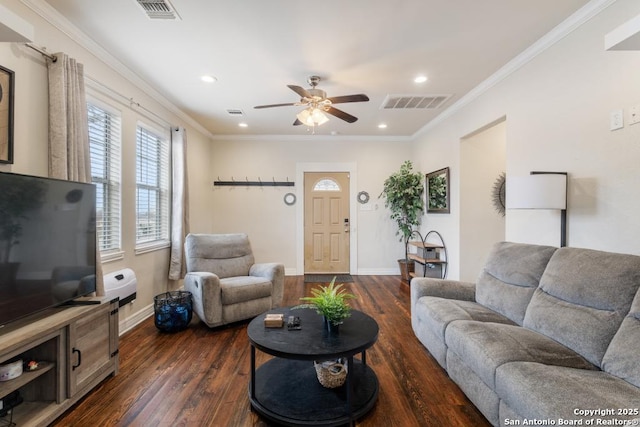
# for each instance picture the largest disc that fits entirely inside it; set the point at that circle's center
(207, 296)
(275, 273)
(443, 288)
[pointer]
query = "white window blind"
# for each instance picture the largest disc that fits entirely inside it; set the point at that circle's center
(104, 147)
(152, 187)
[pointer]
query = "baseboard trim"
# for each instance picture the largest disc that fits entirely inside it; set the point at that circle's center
(379, 271)
(134, 320)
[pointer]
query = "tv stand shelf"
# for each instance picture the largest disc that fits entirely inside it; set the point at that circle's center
(10, 386)
(77, 347)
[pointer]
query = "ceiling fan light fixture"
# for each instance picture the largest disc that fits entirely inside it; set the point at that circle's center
(208, 79)
(312, 117)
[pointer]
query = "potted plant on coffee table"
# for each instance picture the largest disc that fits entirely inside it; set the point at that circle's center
(331, 302)
(403, 193)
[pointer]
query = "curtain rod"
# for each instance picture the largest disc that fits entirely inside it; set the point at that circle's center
(132, 102)
(101, 87)
(42, 51)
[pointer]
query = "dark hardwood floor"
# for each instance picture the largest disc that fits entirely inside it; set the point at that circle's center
(200, 376)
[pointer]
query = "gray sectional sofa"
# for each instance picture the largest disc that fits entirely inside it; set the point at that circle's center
(546, 336)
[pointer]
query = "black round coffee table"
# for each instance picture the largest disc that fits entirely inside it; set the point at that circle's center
(286, 390)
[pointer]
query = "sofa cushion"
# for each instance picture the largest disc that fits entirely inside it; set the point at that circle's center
(582, 298)
(431, 316)
(510, 275)
(621, 358)
(244, 288)
(538, 391)
(438, 313)
(487, 346)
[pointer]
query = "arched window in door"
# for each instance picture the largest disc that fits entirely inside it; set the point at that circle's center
(326, 184)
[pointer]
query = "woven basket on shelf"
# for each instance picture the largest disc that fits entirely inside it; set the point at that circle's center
(331, 373)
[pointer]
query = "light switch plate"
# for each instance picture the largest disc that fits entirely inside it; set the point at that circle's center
(617, 121)
(634, 115)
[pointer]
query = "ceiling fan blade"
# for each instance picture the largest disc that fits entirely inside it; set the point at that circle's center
(300, 91)
(361, 97)
(341, 115)
(275, 105)
(297, 123)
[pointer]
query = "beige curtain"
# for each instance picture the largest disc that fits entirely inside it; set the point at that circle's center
(69, 156)
(180, 202)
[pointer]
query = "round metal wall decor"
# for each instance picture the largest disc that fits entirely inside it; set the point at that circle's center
(289, 199)
(363, 197)
(498, 194)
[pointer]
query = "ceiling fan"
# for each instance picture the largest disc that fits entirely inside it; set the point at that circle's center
(316, 103)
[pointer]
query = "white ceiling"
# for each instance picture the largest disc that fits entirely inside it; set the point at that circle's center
(255, 48)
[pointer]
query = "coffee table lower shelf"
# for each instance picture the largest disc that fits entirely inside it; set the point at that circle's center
(287, 391)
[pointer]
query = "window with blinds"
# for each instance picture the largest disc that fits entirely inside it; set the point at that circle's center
(152, 188)
(104, 146)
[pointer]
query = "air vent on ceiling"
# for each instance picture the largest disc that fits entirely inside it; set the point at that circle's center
(158, 9)
(420, 102)
(234, 112)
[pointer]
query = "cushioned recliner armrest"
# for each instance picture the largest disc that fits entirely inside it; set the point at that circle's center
(275, 273)
(451, 289)
(207, 298)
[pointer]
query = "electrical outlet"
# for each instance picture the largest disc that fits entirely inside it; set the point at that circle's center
(617, 121)
(634, 115)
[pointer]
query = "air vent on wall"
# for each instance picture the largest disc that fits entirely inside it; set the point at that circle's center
(158, 9)
(420, 102)
(234, 112)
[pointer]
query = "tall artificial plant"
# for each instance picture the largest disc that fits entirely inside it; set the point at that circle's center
(403, 192)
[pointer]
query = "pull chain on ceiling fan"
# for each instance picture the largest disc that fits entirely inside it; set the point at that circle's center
(317, 104)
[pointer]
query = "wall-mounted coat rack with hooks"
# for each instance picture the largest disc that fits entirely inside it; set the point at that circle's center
(258, 183)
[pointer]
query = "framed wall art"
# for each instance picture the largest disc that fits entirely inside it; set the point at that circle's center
(438, 191)
(6, 115)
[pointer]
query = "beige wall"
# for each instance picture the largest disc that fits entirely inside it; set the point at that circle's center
(274, 227)
(482, 160)
(557, 108)
(31, 154)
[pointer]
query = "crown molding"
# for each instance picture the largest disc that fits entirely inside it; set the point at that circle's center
(57, 20)
(575, 21)
(314, 138)
(566, 27)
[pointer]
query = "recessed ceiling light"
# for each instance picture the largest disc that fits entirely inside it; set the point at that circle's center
(208, 79)
(420, 79)
(243, 125)
(382, 126)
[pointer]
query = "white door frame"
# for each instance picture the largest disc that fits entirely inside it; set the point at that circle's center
(352, 169)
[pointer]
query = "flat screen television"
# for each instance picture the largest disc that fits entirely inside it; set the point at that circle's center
(47, 243)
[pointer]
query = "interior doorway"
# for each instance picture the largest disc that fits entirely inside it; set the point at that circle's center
(482, 162)
(327, 224)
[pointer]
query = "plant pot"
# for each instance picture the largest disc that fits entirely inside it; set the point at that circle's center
(406, 268)
(332, 328)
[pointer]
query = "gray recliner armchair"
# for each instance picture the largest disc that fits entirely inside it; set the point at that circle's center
(226, 283)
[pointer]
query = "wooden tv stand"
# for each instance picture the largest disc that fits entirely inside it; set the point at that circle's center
(78, 346)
